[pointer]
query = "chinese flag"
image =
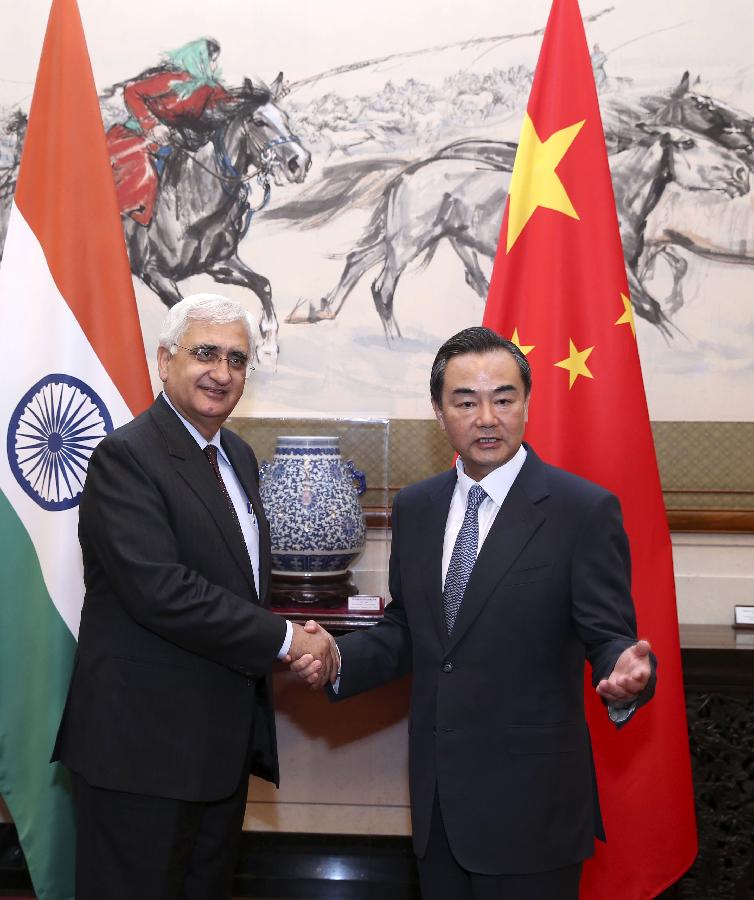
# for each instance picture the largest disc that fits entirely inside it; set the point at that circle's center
(559, 291)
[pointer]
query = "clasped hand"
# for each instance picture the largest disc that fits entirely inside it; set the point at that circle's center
(630, 675)
(313, 655)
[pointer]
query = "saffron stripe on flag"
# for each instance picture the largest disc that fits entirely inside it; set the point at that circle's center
(67, 196)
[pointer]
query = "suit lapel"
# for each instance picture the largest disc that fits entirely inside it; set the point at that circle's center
(193, 467)
(516, 522)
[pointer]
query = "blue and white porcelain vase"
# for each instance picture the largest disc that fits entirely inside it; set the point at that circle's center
(317, 526)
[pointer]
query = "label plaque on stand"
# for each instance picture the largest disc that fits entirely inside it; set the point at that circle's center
(743, 617)
(334, 618)
(365, 603)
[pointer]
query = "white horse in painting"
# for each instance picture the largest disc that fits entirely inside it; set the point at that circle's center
(459, 195)
(710, 225)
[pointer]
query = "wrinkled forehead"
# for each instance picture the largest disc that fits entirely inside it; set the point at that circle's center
(491, 368)
(230, 335)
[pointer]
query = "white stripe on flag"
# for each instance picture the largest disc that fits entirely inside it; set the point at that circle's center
(42, 336)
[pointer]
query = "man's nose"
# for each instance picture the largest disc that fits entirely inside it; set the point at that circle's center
(486, 413)
(221, 371)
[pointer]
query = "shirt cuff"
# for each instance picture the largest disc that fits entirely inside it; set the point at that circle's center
(336, 683)
(288, 639)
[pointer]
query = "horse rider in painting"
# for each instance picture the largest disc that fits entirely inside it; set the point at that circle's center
(174, 94)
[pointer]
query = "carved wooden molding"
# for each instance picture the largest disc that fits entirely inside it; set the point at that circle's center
(722, 520)
(377, 516)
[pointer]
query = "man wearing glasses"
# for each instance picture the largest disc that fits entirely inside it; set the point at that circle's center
(170, 707)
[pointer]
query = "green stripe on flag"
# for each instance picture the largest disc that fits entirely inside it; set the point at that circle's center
(36, 654)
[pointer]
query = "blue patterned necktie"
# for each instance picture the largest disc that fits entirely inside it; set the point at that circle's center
(463, 557)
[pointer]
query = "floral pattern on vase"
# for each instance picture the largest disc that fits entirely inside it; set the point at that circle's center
(317, 526)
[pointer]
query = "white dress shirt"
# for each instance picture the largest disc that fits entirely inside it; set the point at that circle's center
(496, 485)
(241, 504)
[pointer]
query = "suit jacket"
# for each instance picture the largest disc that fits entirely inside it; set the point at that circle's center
(171, 676)
(497, 720)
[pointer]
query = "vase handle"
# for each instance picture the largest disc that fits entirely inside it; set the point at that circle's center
(264, 469)
(356, 475)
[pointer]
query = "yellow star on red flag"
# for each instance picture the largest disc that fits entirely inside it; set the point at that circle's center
(575, 363)
(628, 314)
(526, 350)
(534, 181)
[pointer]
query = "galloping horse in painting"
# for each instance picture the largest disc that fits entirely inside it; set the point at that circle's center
(715, 227)
(689, 165)
(461, 198)
(705, 115)
(203, 209)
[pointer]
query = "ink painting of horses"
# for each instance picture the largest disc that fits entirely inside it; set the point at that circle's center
(353, 202)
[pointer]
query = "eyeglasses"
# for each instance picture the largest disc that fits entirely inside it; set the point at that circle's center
(210, 357)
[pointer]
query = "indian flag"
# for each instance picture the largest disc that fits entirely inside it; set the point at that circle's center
(76, 370)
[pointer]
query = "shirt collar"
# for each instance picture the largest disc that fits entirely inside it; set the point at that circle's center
(497, 484)
(199, 438)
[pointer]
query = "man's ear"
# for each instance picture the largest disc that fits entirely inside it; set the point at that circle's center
(438, 414)
(163, 358)
(526, 408)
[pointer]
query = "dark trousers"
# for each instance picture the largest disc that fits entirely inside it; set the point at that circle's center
(442, 878)
(155, 848)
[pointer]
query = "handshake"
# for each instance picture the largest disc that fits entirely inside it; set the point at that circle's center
(313, 655)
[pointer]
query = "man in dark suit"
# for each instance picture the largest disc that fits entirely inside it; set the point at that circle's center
(170, 707)
(506, 574)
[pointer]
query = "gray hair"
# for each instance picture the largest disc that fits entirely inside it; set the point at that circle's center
(211, 308)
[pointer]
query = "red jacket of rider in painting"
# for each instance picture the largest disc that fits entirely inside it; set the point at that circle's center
(152, 100)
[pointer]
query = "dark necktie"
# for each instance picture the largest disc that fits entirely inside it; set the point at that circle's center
(210, 451)
(463, 557)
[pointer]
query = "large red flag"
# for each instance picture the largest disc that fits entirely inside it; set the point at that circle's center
(559, 290)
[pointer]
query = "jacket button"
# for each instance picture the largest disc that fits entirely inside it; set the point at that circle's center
(447, 667)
